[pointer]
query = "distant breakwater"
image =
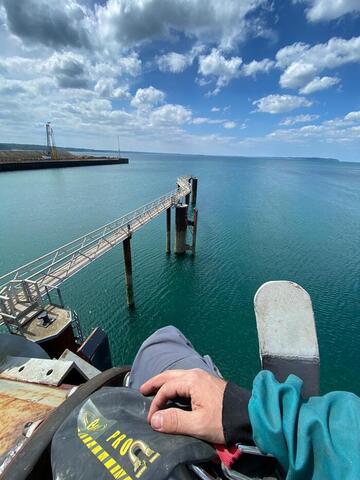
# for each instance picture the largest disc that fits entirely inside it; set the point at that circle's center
(36, 164)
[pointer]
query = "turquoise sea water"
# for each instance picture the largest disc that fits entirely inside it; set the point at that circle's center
(259, 220)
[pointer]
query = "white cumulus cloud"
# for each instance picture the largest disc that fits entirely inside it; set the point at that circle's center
(223, 69)
(336, 131)
(297, 74)
(306, 118)
(107, 87)
(323, 10)
(255, 67)
(55, 24)
(208, 121)
(12, 87)
(147, 97)
(280, 103)
(171, 114)
(131, 22)
(178, 62)
(318, 84)
(174, 62)
(130, 65)
(117, 25)
(302, 63)
(217, 65)
(353, 116)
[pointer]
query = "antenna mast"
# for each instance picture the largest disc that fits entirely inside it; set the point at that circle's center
(118, 139)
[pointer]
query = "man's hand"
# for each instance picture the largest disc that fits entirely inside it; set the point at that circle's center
(206, 393)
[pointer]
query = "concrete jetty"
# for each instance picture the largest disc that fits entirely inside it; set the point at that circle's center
(36, 164)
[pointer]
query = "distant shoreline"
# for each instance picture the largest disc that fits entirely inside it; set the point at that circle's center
(40, 148)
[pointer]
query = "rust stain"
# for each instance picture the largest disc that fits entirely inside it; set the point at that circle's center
(16, 414)
(22, 404)
(44, 394)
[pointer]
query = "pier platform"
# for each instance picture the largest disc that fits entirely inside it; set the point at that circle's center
(36, 331)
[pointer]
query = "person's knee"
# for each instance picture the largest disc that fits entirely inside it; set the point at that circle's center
(168, 330)
(166, 334)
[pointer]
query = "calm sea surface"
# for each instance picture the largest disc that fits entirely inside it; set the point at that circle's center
(259, 220)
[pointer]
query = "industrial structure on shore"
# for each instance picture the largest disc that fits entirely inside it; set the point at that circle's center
(52, 157)
(51, 152)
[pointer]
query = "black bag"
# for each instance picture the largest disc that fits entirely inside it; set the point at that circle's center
(108, 437)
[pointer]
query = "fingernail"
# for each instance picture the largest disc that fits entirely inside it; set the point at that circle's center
(157, 421)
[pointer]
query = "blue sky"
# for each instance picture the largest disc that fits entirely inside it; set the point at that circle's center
(233, 77)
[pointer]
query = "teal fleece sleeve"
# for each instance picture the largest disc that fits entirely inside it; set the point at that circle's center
(317, 438)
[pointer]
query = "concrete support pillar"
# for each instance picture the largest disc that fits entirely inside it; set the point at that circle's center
(128, 272)
(194, 190)
(287, 334)
(168, 230)
(194, 231)
(181, 227)
(187, 197)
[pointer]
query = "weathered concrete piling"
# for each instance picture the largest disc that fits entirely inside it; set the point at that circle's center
(194, 190)
(181, 223)
(194, 231)
(168, 230)
(192, 224)
(128, 272)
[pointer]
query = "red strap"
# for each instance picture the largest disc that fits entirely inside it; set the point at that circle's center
(228, 456)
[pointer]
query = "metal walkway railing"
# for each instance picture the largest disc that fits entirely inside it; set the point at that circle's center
(25, 286)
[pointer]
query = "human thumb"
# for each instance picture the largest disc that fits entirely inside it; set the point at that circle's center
(172, 420)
